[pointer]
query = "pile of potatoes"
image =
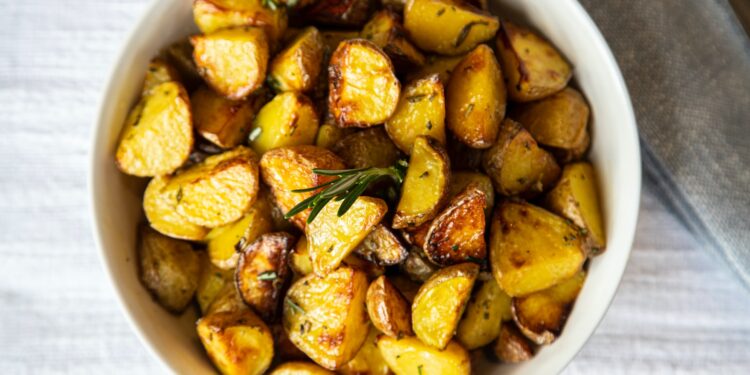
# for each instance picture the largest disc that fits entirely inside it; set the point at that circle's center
(481, 250)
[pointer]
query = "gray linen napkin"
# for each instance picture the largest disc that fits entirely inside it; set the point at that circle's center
(687, 66)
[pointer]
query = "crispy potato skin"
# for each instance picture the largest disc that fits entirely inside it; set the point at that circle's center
(368, 360)
(262, 271)
(475, 98)
(289, 168)
(215, 15)
(410, 356)
(223, 122)
(486, 310)
(300, 368)
(385, 30)
(533, 68)
(367, 148)
(296, 68)
(289, 119)
(347, 13)
(532, 249)
(388, 309)
(211, 282)
(160, 206)
(159, 71)
(420, 111)
(168, 268)
(325, 316)
(438, 306)
(236, 342)
(232, 61)
(158, 133)
(511, 346)
(382, 247)
(516, 163)
(363, 89)
(447, 27)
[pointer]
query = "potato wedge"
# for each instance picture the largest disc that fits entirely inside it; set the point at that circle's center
(516, 163)
(211, 282)
(215, 15)
(487, 309)
(532, 249)
(158, 133)
(329, 135)
(438, 306)
(367, 148)
(236, 342)
(363, 89)
(420, 111)
(457, 234)
(475, 98)
(289, 168)
(511, 346)
(232, 61)
(325, 316)
(223, 122)
(382, 247)
(388, 309)
(300, 368)
(168, 268)
(417, 266)
(425, 187)
(447, 27)
(228, 299)
(347, 13)
(297, 67)
(410, 356)
(159, 71)
(441, 65)
(302, 264)
(541, 316)
(532, 66)
(368, 360)
(331, 238)
(262, 271)
(160, 206)
(289, 119)
(461, 179)
(385, 30)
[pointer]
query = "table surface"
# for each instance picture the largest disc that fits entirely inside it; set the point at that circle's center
(678, 310)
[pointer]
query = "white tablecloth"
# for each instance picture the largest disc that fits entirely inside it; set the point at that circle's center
(678, 310)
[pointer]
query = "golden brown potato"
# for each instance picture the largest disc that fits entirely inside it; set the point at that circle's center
(211, 282)
(367, 148)
(331, 238)
(347, 13)
(541, 316)
(486, 310)
(371, 269)
(228, 299)
(159, 71)
(158, 133)
(290, 168)
(296, 68)
(417, 266)
(368, 360)
(532, 249)
(558, 121)
(299, 259)
(388, 309)
(237, 342)
(416, 236)
(223, 122)
(410, 356)
(576, 198)
(462, 179)
(420, 111)
(382, 247)
(262, 271)
(447, 27)
(475, 98)
(516, 163)
(385, 30)
(168, 268)
(511, 346)
(363, 89)
(215, 15)
(425, 187)
(441, 65)
(300, 368)
(405, 286)
(160, 206)
(289, 119)
(325, 316)
(329, 135)
(533, 67)
(232, 61)
(440, 302)
(456, 235)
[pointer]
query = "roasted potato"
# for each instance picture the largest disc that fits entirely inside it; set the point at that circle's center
(347, 13)
(302, 264)
(289, 168)
(300, 368)
(447, 27)
(215, 15)
(388, 309)
(461, 179)
(438, 306)
(371, 269)
(329, 135)
(367, 148)
(160, 206)
(420, 111)
(541, 316)
(325, 316)
(385, 30)
(221, 121)
(417, 266)
(157, 136)
(533, 68)
(368, 360)
(410, 356)
(262, 271)
(169, 269)
(416, 236)
(289, 119)
(516, 163)
(425, 186)
(511, 346)
(179, 55)
(456, 235)
(296, 68)
(228, 299)
(532, 249)
(441, 65)
(475, 98)
(486, 310)
(211, 282)
(331, 238)
(363, 89)
(232, 61)
(159, 71)
(382, 247)
(236, 342)
(284, 349)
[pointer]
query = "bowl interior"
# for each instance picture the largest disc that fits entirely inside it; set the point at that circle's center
(116, 198)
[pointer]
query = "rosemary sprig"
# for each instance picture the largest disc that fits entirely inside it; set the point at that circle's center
(347, 187)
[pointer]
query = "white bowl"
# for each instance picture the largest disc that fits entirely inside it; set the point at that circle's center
(116, 198)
